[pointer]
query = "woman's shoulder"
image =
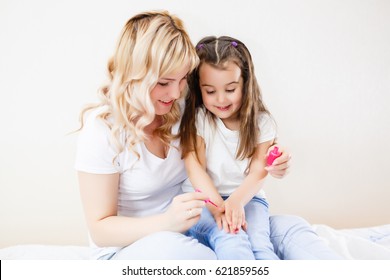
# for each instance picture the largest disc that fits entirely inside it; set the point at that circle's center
(94, 117)
(95, 151)
(94, 124)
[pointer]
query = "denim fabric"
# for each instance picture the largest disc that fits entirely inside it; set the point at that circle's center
(253, 244)
(294, 239)
(164, 245)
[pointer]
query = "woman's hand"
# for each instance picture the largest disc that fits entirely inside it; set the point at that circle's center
(184, 211)
(281, 165)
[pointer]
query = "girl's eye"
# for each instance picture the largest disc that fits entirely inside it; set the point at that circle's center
(230, 90)
(163, 84)
(210, 92)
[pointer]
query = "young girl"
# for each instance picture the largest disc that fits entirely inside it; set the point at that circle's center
(226, 132)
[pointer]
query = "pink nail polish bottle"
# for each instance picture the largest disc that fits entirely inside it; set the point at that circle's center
(273, 155)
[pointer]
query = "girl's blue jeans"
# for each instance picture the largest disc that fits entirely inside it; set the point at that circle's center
(253, 244)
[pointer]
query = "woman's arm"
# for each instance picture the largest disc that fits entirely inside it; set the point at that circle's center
(99, 195)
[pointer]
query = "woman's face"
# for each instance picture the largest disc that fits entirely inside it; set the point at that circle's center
(221, 90)
(167, 90)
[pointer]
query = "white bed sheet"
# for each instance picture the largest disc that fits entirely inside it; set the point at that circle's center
(371, 243)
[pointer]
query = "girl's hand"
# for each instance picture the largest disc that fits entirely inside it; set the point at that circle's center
(280, 166)
(221, 221)
(235, 214)
(184, 211)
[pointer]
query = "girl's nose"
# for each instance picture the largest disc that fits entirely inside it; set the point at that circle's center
(220, 97)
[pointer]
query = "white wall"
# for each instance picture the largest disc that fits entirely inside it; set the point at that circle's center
(324, 68)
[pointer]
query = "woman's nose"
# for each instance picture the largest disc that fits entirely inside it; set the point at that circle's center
(175, 92)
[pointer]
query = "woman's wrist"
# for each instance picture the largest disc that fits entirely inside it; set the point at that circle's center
(165, 222)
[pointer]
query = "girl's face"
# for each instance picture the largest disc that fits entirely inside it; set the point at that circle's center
(167, 90)
(222, 91)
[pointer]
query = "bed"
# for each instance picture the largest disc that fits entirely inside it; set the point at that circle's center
(371, 243)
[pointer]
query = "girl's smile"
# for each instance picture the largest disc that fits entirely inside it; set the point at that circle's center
(222, 91)
(225, 108)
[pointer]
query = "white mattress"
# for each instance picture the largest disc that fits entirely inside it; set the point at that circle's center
(371, 243)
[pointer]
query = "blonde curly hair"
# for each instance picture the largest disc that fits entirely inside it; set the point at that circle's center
(151, 45)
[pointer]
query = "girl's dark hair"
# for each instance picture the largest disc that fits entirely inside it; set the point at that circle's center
(217, 51)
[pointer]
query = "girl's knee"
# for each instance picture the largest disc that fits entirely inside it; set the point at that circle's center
(284, 228)
(281, 224)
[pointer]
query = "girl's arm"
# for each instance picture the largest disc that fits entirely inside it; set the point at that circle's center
(196, 171)
(99, 195)
(253, 182)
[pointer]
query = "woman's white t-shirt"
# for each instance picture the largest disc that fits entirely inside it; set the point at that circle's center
(147, 185)
(226, 172)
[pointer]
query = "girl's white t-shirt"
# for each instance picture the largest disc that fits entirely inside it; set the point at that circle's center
(225, 170)
(147, 185)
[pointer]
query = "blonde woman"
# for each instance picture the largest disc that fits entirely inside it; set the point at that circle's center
(128, 159)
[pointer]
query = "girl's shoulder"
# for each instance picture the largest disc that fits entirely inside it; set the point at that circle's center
(265, 118)
(267, 127)
(199, 114)
(201, 111)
